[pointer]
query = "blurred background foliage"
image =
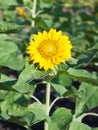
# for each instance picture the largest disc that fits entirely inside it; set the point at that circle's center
(19, 19)
(77, 18)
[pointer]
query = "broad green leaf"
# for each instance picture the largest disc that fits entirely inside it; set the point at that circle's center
(10, 55)
(17, 114)
(79, 126)
(39, 111)
(63, 80)
(81, 75)
(60, 89)
(11, 85)
(87, 97)
(25, 87)
(7, 48)
(9, 97)
(16, 110)
(60, 119)
(30, 73)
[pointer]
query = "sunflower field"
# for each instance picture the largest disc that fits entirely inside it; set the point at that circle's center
(48, 64)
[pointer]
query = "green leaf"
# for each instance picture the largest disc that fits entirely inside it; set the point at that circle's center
(59, 88)
(17, 114)
(39, 111)
(60, 119)
(94, 47)
(8, 27)
(9, 2)
(42, 23)
(60, 82)
(9, 97)
(6, 48)
(10, 55)
(18, 121)
(30, 73)
(87, 97)
(85, 58)
(4, 78)
(95, 128)
(6, 38)
(25, 88)
(16, 110)
(81, 75)
(9, 15)
(6, 83)
(3, 86)
(79, 126)
(9, 84)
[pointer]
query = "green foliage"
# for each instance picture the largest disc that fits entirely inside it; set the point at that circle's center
(60, 119)
(79, 126)
(8, 27)
(76, 80)
(87, 95)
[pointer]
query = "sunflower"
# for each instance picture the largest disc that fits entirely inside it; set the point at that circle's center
(49, 49)
(21, 11)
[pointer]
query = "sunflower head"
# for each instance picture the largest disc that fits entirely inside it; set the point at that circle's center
(49, 49)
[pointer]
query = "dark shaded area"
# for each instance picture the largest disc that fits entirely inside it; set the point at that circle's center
(9, 126)
(64, 102)
(91, 121)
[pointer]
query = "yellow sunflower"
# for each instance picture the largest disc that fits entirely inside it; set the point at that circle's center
(49, 49)
(21, 11)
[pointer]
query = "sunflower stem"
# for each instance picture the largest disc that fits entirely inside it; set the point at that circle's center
(48, 89)
(35, 99)
(34, 12)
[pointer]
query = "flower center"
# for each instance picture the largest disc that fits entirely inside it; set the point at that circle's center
(47, 48)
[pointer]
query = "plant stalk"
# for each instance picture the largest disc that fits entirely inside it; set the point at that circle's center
(34, 12)
(48, 89)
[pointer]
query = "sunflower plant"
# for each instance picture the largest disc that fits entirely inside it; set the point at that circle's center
(45, 67)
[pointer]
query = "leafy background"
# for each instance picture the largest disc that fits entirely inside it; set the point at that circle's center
(76, 82)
